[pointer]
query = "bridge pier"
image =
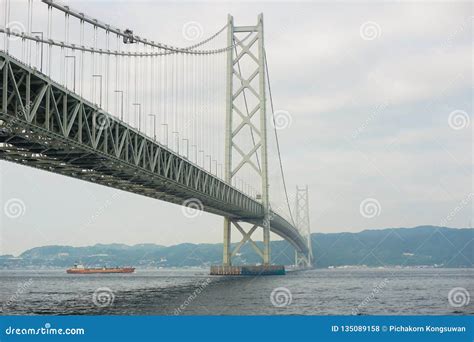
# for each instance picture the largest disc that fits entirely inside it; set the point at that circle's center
(302, 260)
(246, 270)
(227, 252)
(266, 240)
(302, 223)
(228, 269)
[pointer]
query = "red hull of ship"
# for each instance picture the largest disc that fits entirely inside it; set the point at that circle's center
(100, 270)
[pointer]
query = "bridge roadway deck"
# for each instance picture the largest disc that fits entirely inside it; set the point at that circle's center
(49, 127)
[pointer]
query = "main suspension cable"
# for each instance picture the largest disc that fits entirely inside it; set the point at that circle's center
(127, 34)
(276, 136)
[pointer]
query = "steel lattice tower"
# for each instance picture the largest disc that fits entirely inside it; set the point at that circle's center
(255, 118)
(303, 225)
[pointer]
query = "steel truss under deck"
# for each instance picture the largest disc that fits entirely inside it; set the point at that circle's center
(46, 126)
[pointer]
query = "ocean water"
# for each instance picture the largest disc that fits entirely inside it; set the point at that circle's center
(349, 291)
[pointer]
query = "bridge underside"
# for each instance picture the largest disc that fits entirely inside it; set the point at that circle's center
(46, 126)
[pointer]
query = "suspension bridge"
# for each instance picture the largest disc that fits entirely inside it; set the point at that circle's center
(194, 125)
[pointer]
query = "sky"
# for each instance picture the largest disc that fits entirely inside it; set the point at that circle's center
(379, 103)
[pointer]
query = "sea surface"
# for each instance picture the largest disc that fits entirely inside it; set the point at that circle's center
(347, 291)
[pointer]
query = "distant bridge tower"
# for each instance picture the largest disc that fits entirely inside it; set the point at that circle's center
(302, 223)
(245, 108)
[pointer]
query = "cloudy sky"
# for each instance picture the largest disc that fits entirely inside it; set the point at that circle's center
(380, 98)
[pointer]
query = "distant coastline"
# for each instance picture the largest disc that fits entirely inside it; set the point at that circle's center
(418, 247)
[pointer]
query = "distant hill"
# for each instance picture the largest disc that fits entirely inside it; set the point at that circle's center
(425, 245)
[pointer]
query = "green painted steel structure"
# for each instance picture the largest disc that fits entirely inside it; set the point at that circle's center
(46, 126)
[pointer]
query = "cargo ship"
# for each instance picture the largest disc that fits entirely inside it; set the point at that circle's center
(80, 269)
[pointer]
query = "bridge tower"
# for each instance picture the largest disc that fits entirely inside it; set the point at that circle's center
(302, 223)
(245, 108)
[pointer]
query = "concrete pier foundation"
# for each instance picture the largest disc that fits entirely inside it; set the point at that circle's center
(248, 270)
